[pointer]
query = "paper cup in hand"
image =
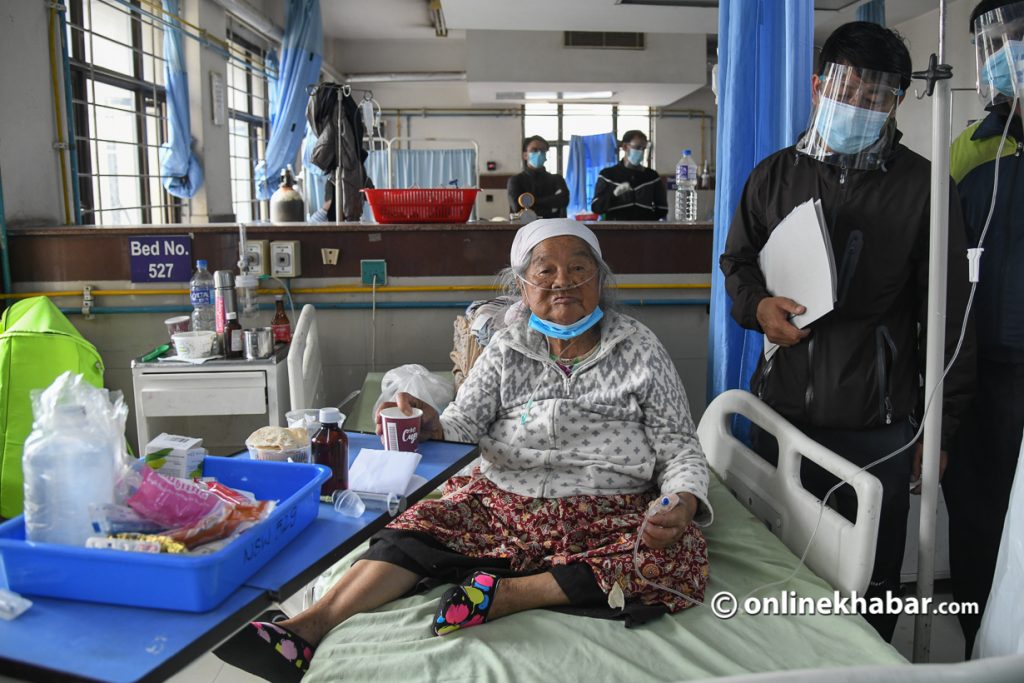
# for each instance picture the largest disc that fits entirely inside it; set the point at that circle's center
(400, 432)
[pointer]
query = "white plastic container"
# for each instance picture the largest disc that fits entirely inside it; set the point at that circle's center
(66, 472)
(194, 344)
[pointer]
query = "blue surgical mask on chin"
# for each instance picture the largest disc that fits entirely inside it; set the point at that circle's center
(635, 156)
(537, 159)
(848, 129)
(1005, 67)
(550, 329)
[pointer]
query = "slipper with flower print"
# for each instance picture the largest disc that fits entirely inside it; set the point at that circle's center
(465, 605)
(267, 650)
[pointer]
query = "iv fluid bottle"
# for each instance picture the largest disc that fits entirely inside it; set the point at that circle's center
(686, 188)
(66, 472)
(202, 298)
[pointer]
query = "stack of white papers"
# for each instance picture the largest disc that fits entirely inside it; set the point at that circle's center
(797, 263)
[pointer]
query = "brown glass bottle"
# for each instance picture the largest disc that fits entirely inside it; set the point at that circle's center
(281, 326)
(330, 448)
(232, 337)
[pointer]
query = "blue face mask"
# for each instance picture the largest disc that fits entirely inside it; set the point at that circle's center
(537, 159)
(635, 156)
(1005, 67)
(550, 329)
(848, 129)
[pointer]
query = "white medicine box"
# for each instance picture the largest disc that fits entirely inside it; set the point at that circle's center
(176, 456)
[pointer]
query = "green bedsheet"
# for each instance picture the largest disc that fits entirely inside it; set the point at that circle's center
(394, 643)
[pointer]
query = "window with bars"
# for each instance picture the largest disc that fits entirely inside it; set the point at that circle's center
(557, 123)
(117, 79)
(249, 126)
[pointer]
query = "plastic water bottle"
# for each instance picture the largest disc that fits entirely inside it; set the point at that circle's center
(686, 189)
(66, 471)
(202, 298)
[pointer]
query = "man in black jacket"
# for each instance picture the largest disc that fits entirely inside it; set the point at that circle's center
(550, 193)
(630, 191)
(851, 379)
(983, 462)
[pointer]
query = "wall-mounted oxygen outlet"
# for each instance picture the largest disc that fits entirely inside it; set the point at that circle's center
(284, 259)
(256, 251)
(330, 256)
(373, 268)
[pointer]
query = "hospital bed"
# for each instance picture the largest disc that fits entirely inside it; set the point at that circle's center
(394, 642)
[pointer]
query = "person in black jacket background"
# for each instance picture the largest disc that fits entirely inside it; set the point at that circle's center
(550, 193)
(850, 380)
(630, 191)
(983, 461)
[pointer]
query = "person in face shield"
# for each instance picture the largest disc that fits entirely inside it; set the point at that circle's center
(984, 458)
(550, 193)
(850, 380)
(630, 191)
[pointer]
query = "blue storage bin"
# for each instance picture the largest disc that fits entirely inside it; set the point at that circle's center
(177, 582)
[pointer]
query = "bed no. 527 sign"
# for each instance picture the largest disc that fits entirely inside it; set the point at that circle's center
(166, 258)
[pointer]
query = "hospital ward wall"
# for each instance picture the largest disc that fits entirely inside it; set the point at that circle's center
(915, 116)
(665, 268)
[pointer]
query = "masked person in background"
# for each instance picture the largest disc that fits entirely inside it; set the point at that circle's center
(550, 193)
(850, 380)
(630, 191)
(984, 459)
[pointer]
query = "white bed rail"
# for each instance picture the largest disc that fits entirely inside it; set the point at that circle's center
(842, 553)
(305, 367)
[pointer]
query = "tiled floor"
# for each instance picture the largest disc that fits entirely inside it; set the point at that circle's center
(947, 646)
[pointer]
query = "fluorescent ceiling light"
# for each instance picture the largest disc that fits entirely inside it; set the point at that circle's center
(598, 95)
(570, 95)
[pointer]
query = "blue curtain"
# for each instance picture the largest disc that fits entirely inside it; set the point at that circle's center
(764, 74)
(314, 180)
(873, 11)
(301, 56)
(432, 168)
(588, 154)
(180, 172)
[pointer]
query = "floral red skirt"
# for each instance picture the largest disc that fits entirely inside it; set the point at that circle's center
(477, 519)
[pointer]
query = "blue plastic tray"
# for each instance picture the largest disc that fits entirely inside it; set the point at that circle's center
(177, 582)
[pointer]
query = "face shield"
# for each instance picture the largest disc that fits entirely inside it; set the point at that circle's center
(999, 53)
(852, 122)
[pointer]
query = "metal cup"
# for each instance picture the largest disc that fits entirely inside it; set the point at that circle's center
(265, 341)
(250, 341)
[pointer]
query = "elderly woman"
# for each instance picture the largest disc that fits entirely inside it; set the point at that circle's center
(582, 421)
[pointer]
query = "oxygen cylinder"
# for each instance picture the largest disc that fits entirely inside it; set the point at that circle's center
(286, 204)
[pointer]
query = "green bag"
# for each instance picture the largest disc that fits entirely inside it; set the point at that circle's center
(37, 343)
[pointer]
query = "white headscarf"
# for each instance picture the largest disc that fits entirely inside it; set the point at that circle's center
(535, 232)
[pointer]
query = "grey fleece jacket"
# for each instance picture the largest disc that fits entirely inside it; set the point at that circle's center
(619, 424)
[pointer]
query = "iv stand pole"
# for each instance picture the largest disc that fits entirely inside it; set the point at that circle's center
(935, 352)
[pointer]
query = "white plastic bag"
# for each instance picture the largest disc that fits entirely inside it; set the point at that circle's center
(71, 458)
(1002, 625)
(418, 381)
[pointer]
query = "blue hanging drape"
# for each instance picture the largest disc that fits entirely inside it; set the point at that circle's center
(434, 167)
(180, 172)
(764, 94)
(873, 11)
(588, 154)
(314, 180)
(301, 56)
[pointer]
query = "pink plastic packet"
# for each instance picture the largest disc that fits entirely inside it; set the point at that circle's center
(170, 501)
